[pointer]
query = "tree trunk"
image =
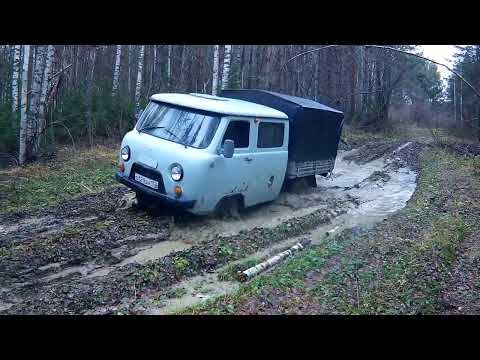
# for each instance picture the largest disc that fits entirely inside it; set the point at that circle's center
(38, 69)
(138, 87)
(17, 50)
(360, 82)
(43, 96)
(461, 106)
(23, 106)
(116, 70)
(454, 103)
(226, 66)
(215, 70)
(152, 73)
(89, 96)
(169, 67)
(129, 84)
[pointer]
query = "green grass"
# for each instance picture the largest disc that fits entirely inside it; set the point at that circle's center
(286, 276)
(230, 273)
(38, 186)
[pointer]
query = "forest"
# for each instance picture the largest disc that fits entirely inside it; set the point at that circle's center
(390, 228)
(76, 93)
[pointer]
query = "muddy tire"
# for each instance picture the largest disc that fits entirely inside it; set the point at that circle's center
(229, 208)
(144, 201)
(301, 185)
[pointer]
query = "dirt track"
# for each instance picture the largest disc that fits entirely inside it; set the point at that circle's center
(100, 253)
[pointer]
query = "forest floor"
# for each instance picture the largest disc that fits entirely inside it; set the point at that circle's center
(394, 230)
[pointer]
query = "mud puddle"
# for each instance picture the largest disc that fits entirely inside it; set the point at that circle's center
(378, 190)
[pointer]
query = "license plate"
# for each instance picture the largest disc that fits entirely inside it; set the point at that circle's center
(146, 181)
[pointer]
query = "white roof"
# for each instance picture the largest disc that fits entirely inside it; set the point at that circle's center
(220, 105)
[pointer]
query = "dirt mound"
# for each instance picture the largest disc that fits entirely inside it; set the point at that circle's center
(371, 151)
(406, 155)
(465, 149)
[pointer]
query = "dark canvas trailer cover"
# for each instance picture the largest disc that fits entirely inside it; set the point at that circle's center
(315, 129)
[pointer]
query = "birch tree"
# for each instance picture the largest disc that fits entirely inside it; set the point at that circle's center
(226, 66)
(35, 96)
(129, 70)
(23, 106)
(15, 75)
(169, 67)
(116, 70)
(138, 86)
(215, 70)
(43, 95)
(152, 72)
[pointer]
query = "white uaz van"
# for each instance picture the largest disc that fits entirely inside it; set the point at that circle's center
(201, 153)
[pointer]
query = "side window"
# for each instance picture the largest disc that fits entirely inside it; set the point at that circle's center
(239, 132)
(270, 135)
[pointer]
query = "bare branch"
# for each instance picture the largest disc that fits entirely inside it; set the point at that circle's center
(59, 72)
(391, 49)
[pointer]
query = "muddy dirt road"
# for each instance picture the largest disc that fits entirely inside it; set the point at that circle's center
(101, 254)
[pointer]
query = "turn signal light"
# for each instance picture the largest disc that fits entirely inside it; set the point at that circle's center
(178, 191)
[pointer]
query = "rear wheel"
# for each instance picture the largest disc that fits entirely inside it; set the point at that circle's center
(301, 185)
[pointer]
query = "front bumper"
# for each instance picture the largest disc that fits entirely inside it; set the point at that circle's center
(161, 198)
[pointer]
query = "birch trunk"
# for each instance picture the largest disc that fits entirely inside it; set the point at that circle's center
(43, 96)
(15, 76)
(169, 67)
(33, 130)
(116, 70)
(152, 73)
(215, 70)
(253, 271)
(23, 106)
(129, 87)
(138, 87)
(361, 82)
(226, 66)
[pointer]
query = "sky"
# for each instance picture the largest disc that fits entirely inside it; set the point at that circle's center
(441, 53)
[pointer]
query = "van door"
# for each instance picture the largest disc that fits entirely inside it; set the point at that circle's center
(270, 159)
(236, 173)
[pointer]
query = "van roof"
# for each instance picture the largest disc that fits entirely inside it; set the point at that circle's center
(219, 105)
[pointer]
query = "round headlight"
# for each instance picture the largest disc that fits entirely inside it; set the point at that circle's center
(176, 172)
(125, 153)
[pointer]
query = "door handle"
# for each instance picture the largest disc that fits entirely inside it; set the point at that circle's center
(248, 159)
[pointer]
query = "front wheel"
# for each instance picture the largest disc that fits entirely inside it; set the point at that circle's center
(229, 208)
(144, 201)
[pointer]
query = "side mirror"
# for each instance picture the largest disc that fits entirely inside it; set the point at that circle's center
(228, 148)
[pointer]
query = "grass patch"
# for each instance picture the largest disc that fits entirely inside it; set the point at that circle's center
(288, 275)
(230, 273)
(38, 185)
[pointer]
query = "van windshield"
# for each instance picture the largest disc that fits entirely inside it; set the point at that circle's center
(180, 125)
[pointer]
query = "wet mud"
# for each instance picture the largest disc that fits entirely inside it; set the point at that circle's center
(101, 253)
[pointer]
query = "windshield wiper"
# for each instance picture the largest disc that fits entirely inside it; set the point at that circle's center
(164, 128)
(151, 127)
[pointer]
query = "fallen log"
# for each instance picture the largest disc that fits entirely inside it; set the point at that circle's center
(257, 269)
